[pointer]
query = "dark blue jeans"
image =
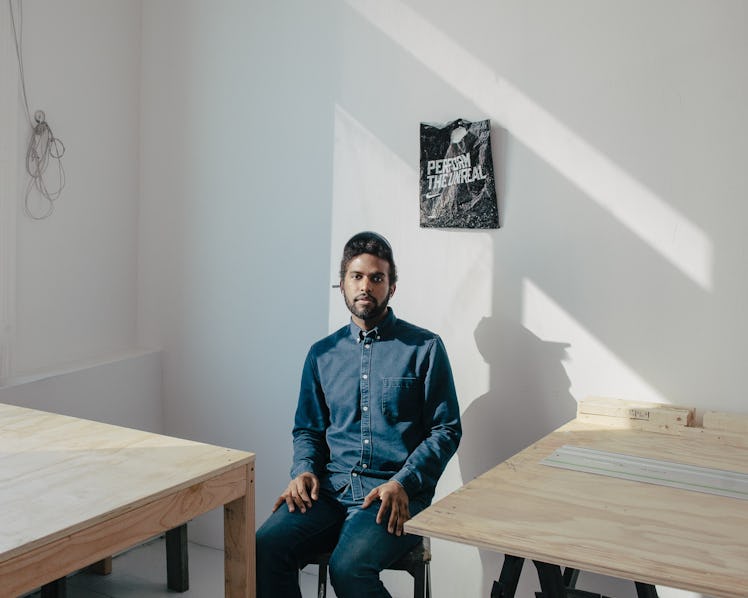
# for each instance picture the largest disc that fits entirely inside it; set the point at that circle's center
(360, 547)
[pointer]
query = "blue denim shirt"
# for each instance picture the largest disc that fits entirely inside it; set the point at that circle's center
(377, 407)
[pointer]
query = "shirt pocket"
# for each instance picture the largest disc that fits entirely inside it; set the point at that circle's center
(401, 399)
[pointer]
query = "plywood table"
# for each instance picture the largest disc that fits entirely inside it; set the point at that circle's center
(73, 492)
(626, 529)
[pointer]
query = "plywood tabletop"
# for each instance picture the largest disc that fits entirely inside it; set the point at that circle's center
(617, 527)
(59, 473)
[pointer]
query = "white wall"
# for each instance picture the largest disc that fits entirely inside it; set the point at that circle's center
(260, 135)
(235, 215)
(619, 132)
(619, 135)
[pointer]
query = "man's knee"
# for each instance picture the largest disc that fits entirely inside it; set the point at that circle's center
(272, 546)
(350, 572)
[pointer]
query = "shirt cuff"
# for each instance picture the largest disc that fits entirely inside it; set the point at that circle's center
(408, 481)
(303, 467)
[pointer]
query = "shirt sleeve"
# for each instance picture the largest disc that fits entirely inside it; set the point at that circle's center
(441, 419)
(310, 452)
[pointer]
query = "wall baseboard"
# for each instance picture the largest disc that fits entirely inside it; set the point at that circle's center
(123, 390)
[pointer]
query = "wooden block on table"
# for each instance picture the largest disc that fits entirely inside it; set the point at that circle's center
(634, 414)
(729, 422)
(715, 435)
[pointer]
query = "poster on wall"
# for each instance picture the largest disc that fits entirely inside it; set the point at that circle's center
(458, 188)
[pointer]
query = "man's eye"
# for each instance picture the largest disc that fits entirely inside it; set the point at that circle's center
(377, 278)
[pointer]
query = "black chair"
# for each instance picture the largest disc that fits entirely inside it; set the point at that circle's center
(417, 562)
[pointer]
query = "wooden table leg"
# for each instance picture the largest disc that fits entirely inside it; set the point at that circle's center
(102, 567)
(239, 542)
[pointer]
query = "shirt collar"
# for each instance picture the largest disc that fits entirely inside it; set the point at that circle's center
(380, 330)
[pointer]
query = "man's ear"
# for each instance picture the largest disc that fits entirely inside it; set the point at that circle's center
(392, 290)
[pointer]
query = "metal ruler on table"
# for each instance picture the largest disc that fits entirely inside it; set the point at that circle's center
(652, 471)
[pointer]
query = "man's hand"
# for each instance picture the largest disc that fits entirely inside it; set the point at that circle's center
(301, 491)
(395, 500)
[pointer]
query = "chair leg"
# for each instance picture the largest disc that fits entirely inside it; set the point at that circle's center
(177, 565)
(322, 580)
(419, 590)
(421, 581)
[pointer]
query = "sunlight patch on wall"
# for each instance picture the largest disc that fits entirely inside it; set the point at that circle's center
(592, 368)
(636, 207)
(445, 279)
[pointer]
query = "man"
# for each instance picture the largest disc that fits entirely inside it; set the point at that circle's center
(376, 423)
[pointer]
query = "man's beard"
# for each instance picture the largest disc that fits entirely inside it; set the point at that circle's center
(367, 313)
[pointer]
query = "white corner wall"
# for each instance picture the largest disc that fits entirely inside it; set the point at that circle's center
(76, 272)
(68, 337)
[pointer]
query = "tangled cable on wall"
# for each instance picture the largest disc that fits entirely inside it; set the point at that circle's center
(43, 146)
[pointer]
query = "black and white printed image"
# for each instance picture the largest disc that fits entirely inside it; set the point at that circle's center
(458, 188)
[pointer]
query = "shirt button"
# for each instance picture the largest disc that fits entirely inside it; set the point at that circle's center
(366, 441)
(365, 376)
(367, 346)
(366, 408)
(364, 466)
(355, 475)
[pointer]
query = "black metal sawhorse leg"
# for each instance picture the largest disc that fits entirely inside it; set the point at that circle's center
(553, 582)
(506, 586)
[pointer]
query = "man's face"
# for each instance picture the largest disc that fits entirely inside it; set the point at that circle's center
(367, 289)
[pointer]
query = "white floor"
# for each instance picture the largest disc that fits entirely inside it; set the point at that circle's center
(141, 573)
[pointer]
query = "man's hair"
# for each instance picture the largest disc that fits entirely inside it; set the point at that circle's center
(372, 243)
